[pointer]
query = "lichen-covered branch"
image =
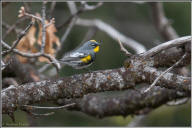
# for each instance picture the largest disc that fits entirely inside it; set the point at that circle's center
(79, 85)
(124, 103)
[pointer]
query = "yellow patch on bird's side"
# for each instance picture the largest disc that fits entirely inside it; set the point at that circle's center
(86, 59)
(93, 41)
(96, 49)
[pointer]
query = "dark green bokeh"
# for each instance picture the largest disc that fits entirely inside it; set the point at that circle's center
(133, 20)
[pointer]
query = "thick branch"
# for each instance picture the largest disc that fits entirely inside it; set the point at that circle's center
(79, 85)
(125, 103)
(166, 71)
(169, 57)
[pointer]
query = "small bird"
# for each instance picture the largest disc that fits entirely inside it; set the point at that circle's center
(83, 56)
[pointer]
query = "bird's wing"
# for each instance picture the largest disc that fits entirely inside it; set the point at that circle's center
(75, 56)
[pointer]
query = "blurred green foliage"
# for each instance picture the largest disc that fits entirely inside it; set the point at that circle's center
(133, 20)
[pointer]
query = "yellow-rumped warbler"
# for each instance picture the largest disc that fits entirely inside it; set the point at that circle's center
(83, 56)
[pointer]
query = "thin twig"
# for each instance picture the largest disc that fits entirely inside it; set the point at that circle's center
(178, 102)
(88, 7)
(44, 114)
(49, 108)
(27, 6)
(123, 48)
(8, 27)
(53, 4)
(33, 55)
(3, 65)
(14, 26)
(136, 121)
(52, 21)
(28, 110)
(21, 35)
(76, 12)
(166, 71)
(70, 26)
(22, 12)
(73, 10)
(43, 27)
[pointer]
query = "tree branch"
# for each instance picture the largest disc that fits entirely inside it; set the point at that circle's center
(79, 85)
(163, 73)
(112, 32)
(122, 48)
(13, 27)
(33, 55)
(43, 26)
(21, 35)
(161, 22)
(124, 103)
(169, 44)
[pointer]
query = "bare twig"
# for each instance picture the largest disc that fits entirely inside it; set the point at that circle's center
(34, 55)
(52, 21)
(3, 65)
(7, 81)
(13, 27)
(43, 68)
(53, 4)
(161, 22)
(123, 48)
(166, 71)
(136, 121)
(29, 111)
(75, 12)
(43, 26)
(72, 7)
(22, 12)
(21, 35)
(169, 44)
(88, 7)
(27, 6)
(49, 108)
(8, 27)
(178, 102)
(44, 114)
(69, 28)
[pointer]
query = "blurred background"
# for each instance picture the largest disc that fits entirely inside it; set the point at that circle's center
(131, 19)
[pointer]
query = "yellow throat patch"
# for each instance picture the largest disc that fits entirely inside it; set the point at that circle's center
(96, 49)
(86, 59)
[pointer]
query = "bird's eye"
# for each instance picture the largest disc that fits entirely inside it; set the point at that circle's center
(94, 45)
